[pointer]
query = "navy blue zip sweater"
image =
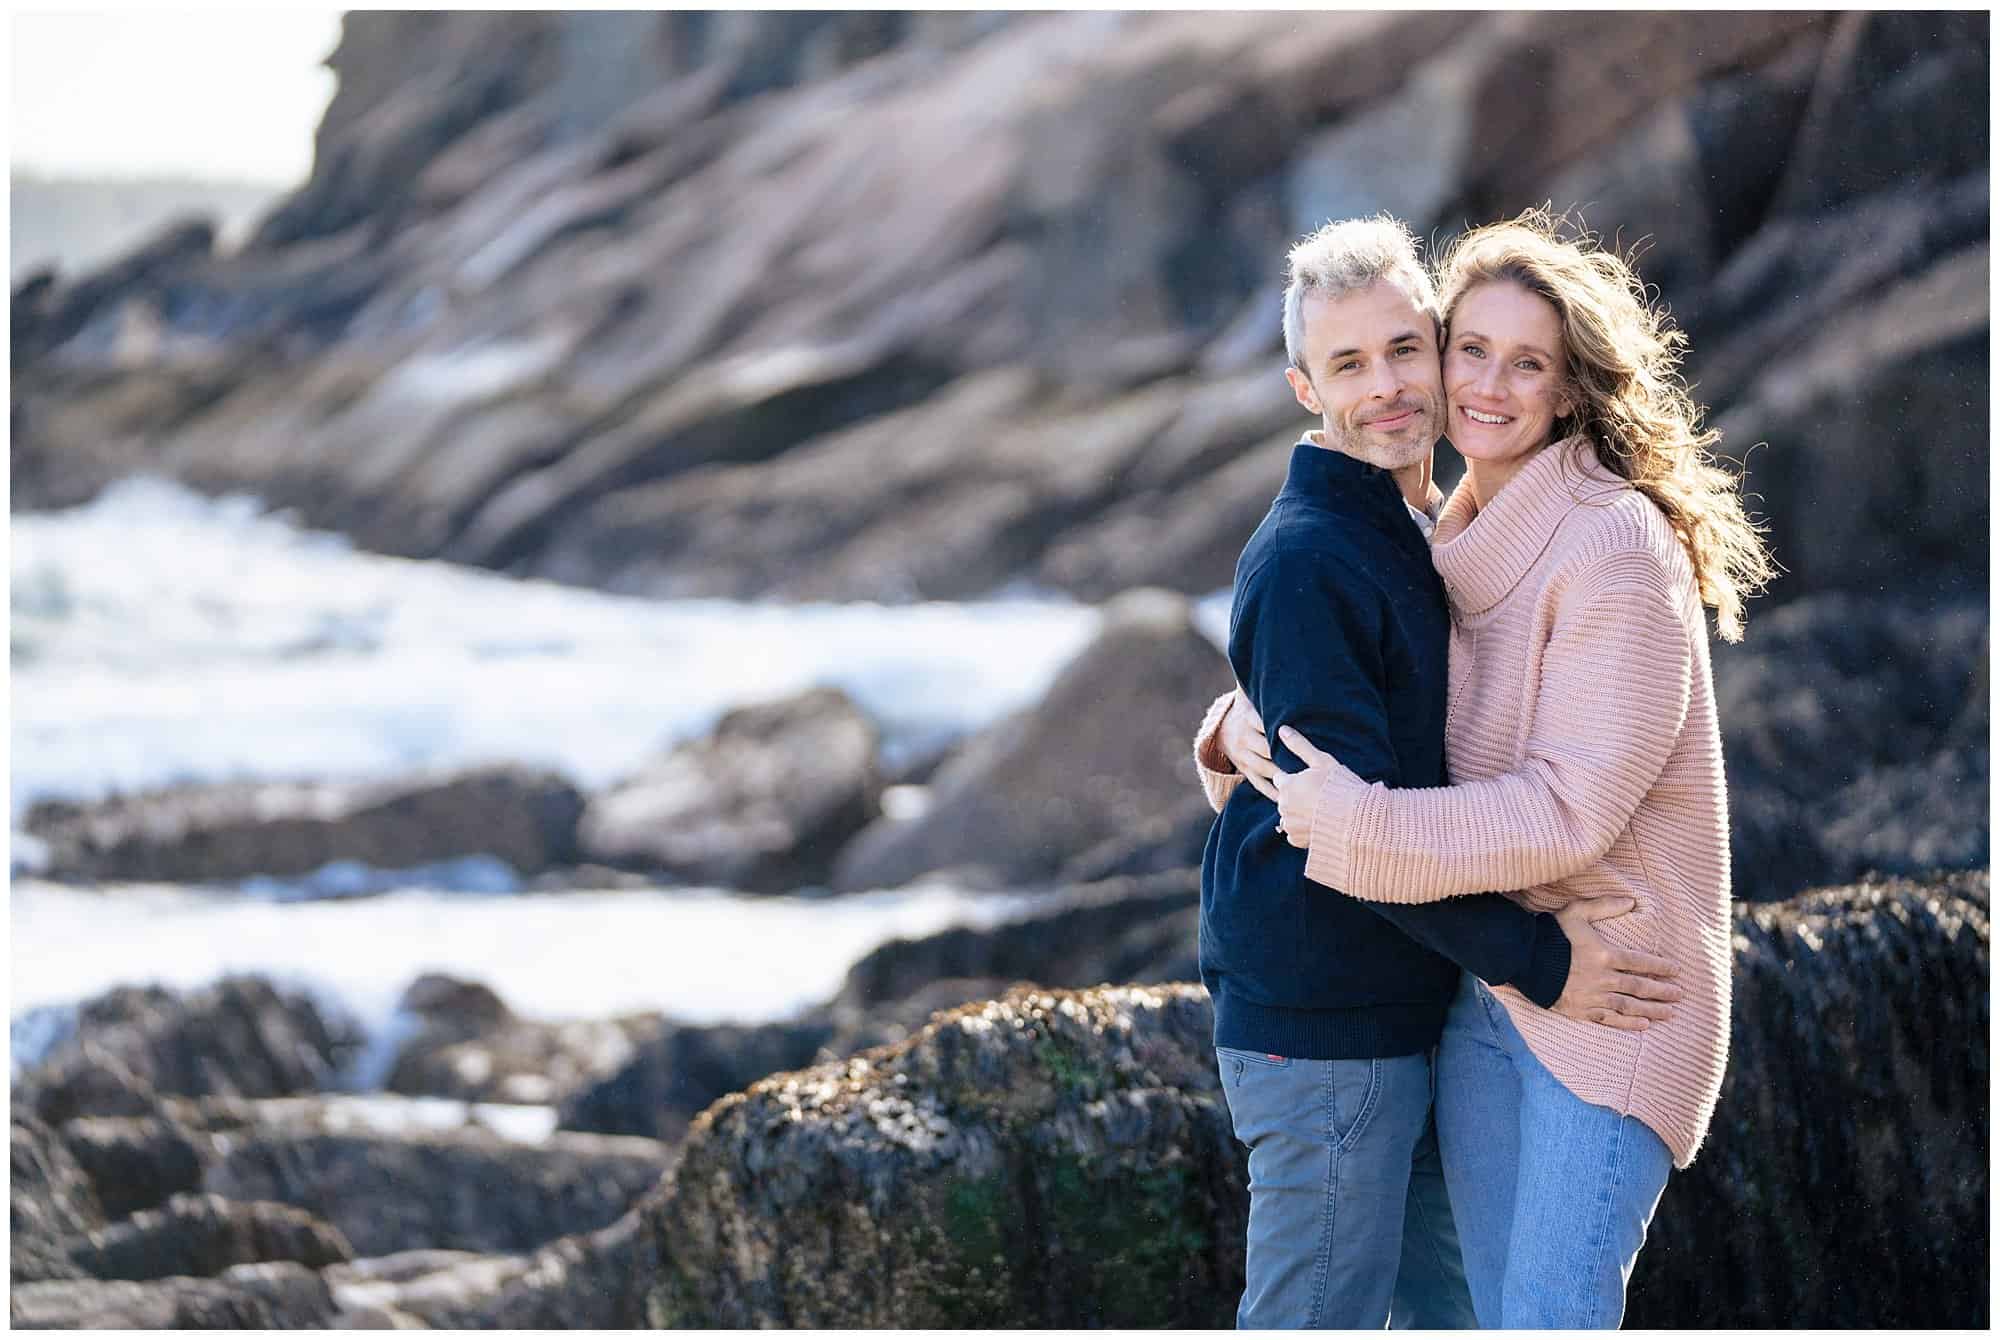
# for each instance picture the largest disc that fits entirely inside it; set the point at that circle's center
(1340, 630)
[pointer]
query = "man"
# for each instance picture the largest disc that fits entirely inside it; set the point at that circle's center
(1327, 1008)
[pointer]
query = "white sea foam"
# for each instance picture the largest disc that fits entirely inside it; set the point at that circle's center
(159, 636)
(701, 956)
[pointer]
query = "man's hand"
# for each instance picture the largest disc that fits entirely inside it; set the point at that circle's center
(1242, 739)
(1619, 988)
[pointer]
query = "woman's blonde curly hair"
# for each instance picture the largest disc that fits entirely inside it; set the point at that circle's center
(1623, 376)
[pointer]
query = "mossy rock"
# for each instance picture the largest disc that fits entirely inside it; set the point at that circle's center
(1048, 1159)
(1064, 1158)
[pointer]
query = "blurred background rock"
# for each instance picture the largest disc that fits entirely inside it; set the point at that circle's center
(895, 308)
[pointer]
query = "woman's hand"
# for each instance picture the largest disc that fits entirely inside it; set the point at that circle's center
(1619, 988)
(1298, 792)
(1242, 740)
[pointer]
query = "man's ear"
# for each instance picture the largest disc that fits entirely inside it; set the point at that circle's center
(1302, 387)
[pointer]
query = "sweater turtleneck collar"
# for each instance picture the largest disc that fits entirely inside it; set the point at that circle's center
(1483, 552)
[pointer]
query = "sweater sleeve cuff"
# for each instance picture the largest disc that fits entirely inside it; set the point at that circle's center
(1330, 844)
(1547, 972)
(1218, 776)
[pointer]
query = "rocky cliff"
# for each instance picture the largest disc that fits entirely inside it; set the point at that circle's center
(896, 306)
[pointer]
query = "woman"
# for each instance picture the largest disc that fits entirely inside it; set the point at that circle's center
(1578, 551)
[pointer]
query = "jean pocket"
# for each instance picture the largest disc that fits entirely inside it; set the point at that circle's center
(1255, 1058)
(1237, 1064)
(1352, 1098)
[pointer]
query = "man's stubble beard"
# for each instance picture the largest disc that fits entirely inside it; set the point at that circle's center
(1407, 448)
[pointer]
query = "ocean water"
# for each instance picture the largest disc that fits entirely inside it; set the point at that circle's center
(158, 636)
(700, 955)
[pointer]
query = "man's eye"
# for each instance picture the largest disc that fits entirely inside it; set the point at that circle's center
(1350, 363)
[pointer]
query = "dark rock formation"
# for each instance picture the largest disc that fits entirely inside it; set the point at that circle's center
(1124, 930)
(1844, 1180)
(136, 1163)
(468, 1045)
(763, 803)
(1064, 1158)
(205, 1235)
(1844, 514)
(49, 1198)
(683, 1069)
(236, 830)
(643, 301)
(55, 314)
(1103, 755)
(1045, 1160)
(80, 1076)
(278, 1295)
(585, 1281)
(1119, 931)
(464, 1189)
(1854, 732)
(240, 1037)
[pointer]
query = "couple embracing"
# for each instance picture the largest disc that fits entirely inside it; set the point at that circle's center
(1465, 905)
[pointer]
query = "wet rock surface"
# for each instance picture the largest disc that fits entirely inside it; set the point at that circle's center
(586, 1280)
(1125, 930)
(763, 803)
(136, 1163)
(1102, 755)
(204, 1236)
(1852, 1123)
(274, 1296)
(682, 1070)
(241, 1037)
(466, 1189)
(236, 831)
(466, 1044)
(49, 1199)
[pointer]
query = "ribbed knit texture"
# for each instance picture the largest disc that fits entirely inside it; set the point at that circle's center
(1586, 763)
(1210, 763)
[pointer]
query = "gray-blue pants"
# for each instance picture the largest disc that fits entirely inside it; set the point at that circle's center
(1350, 1222)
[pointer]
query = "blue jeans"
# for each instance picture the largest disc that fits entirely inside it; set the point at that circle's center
(1350, 1220)
(1554, 1194)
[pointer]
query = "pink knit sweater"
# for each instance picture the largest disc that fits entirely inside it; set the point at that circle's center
(1581, 736)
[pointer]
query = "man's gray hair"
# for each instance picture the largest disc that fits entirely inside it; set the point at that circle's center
(1347, 256)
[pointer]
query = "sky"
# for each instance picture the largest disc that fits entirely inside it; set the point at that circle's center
(220, 95)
